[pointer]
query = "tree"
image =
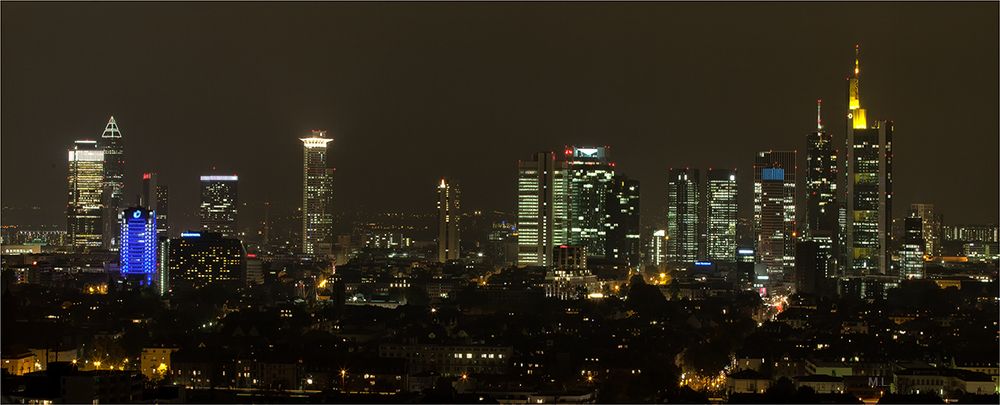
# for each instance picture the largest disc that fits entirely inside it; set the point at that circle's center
(415, 295)
(782, 391)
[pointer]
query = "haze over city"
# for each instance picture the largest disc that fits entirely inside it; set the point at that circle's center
(413, 92)
(503, 202)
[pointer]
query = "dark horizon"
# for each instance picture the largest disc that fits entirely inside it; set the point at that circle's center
(414, 92)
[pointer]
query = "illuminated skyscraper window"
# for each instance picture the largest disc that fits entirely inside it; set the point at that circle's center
(137, 251)
(720, 215)
(683, 215)
(774, 211)
(219, 204)
(317, 195)
(542, 209)
(85, 208)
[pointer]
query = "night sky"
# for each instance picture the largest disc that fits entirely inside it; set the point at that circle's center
(412, 92)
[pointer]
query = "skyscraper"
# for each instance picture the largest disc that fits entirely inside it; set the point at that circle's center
(201, 258)
(317, 195)
(932, 227)
(114, 182)
(590, 178)
(868, 191)
(658, 248)
(622, 243)
(154, 197)
(774, 210)
(911, 253)
(448, 206)
(821, 180)
(720, 215)
(219, 204)
(137, 251)
(542, 208)
(683, 201)
(814, 272)
(85, 208)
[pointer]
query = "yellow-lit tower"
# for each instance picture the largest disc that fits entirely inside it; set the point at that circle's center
(867, 188)
(855, 114)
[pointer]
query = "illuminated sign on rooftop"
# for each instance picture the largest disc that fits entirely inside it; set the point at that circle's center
(220, 178)
(190, 234)
(589, 153)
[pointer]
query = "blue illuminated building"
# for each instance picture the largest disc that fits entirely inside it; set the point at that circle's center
(138, 243)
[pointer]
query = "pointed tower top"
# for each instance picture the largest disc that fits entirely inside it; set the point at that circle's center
(111, 130)
(857, 60)
(819, 115)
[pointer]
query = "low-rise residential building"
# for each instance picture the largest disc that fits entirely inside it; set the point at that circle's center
(451, 360)
(747, 382)
(821, 384)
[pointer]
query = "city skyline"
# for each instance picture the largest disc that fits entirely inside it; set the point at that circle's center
(647, 138)
(530, 202)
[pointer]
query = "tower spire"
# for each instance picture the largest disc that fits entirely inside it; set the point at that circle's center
(111, 130)
(857, 60)
(819, 116)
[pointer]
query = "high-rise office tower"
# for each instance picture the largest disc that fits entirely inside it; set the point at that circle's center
(658, 248)
(154, 197)
(745, 263)
(774, 210)
(814, 272)
(932, 227)
(622, 222)
(448, 206)
(868, 191)
(113, 190)
(911, 252)
(821, 180)
(219, 204)
(720, 215)
(137, 251)
(162, 263)
(542, 208)
(683, 214)
(85, 208)
(970, 233)
(317, 195)
(590, 178)
(201, 258)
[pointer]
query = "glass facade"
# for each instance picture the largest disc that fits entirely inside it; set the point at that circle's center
(317, 195)
(622, 243)
(931, 227)
(720, 214)
(590, 180)
(449, 205)
(683, 201)
(137, 251)
(85, 209)
(154, 196)
(911, 254)
(114, 182)
(821, 183)
(774, 210)
(542, 209)
(197, 259)
(869, 199)
(219, 204)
